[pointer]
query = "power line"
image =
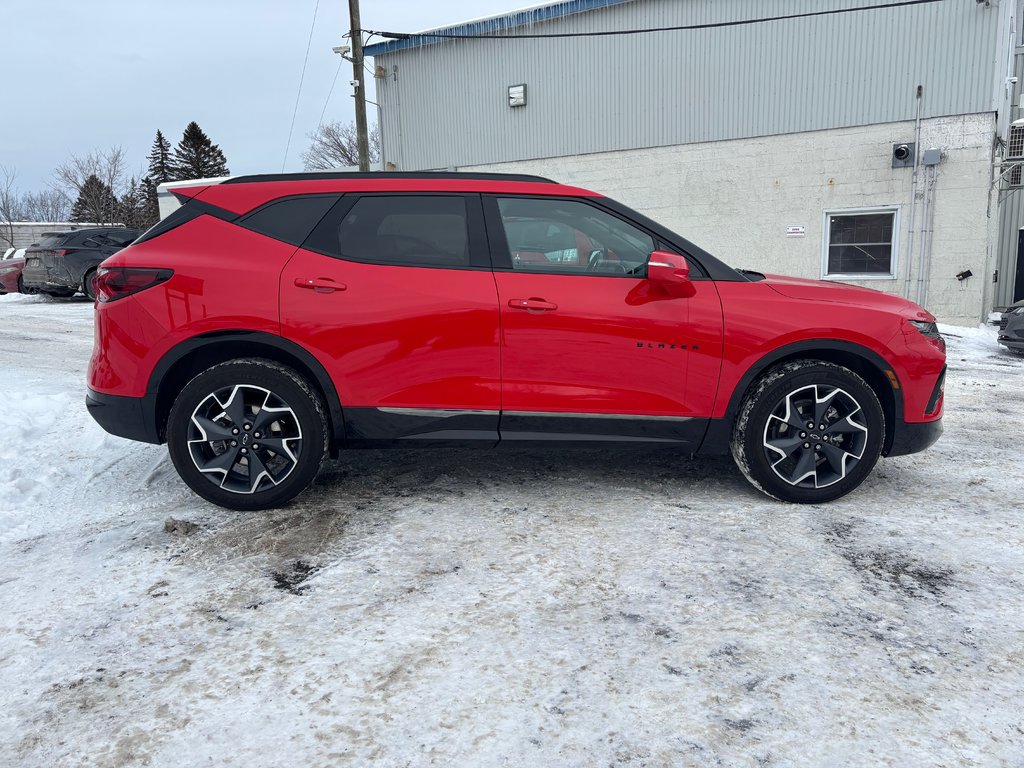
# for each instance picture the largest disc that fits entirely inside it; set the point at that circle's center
(302, 77)
(329, 94)
(681, 28)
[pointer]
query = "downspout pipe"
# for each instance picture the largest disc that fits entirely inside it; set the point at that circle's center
(913, 193)
(924, 267)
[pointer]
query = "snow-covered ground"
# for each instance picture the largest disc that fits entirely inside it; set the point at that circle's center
(504, 607)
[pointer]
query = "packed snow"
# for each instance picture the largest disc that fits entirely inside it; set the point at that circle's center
(504, 607)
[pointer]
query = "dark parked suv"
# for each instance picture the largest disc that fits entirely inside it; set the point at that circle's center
(270, 321)
(64, 263)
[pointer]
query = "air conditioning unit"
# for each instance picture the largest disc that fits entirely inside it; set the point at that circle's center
(1014, 175)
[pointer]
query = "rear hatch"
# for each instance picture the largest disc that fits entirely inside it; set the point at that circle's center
(44, 261)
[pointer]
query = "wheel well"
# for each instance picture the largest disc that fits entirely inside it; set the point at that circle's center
(862, 366)
(217, 351)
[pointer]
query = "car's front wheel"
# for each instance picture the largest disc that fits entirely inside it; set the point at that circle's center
(248, 434)
(809, 431)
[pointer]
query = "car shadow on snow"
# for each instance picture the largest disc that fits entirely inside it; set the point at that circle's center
(358, 496)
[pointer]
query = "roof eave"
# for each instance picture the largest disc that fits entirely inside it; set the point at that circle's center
(493, 26)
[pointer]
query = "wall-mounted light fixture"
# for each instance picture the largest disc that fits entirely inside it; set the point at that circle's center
(517, 95)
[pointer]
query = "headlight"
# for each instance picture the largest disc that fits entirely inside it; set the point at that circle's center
(8, 270)
(931, 332)
(927, 329)
(1017, 311)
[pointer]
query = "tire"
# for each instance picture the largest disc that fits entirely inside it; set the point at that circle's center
(237, 469)
(778, 441)
(88, 286)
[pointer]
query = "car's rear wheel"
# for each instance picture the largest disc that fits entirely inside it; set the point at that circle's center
(89, 285)
(809, 432)
(248, 434)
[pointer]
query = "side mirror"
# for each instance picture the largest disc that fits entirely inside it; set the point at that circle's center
(668, 269)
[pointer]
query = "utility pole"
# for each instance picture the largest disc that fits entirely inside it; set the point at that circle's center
(356, 33)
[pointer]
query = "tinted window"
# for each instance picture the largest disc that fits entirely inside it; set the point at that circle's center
(566, 236)
(114, 238)
(52, 239)
(408, 229)
(290, 220)
(121, 238)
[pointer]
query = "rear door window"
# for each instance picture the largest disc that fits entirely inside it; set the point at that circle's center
(405, 230)
(121, 238)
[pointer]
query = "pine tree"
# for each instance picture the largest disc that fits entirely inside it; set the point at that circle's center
(132, 207)
(160, 159)
(96, 202)
(196, 157)
(152, 204)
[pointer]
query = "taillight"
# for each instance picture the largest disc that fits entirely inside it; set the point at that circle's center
(117, 282)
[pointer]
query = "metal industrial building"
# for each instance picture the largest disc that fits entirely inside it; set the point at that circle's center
(774, 145)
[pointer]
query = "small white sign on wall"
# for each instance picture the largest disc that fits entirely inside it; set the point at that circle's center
(796, 231)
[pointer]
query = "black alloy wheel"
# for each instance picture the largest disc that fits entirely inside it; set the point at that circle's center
(248, 434)
(89, 285)
(808, 432)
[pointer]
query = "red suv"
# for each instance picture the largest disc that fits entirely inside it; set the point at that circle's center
(271, 320)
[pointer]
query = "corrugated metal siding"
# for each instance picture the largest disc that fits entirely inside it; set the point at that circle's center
(445, 105)
(1011, 211)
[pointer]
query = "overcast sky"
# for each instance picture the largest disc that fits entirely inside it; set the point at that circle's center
(89, 74)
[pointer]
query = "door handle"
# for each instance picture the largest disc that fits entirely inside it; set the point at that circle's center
(532, 305)
(319, 284)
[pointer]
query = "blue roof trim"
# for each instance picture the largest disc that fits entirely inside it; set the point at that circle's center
(497, 24)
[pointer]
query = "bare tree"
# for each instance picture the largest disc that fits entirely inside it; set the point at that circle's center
(75, 178)
(334, 145)
(10, 206)
(50, 205)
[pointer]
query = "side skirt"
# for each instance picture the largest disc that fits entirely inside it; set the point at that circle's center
(622, 430)
(425, 427)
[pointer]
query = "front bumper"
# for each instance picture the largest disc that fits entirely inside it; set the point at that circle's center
(913, 438)
(1011, 332)
(130, 417)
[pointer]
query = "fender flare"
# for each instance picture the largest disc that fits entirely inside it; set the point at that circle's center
(250, 339)
(719, 432)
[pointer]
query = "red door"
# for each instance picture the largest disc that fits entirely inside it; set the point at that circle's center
(392, 294)
(587, 340)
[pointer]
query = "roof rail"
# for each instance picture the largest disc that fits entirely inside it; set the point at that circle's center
(386, 175)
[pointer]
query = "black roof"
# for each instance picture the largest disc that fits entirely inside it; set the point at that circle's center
(387, 175)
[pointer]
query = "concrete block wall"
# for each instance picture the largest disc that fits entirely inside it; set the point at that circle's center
(736, 198)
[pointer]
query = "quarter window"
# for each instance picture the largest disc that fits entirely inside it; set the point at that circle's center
(861, 243)
(570, 237)
(408, 229)
(291, 219)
